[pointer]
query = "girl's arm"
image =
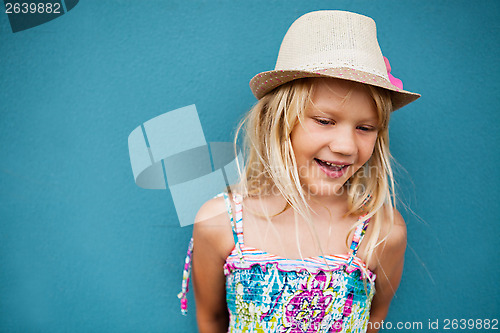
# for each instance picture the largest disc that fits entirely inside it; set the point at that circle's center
(389, 271)
(213, 241)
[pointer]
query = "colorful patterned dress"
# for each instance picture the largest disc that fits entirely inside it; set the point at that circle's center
(267, 293)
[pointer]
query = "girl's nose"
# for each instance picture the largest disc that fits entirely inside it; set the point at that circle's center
(343, 142)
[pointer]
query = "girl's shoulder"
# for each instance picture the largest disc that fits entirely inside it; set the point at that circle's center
(212, 212)
(394, 239)
(212, 226)
(396, 235)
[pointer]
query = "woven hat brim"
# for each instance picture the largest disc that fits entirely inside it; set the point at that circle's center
(264, 82)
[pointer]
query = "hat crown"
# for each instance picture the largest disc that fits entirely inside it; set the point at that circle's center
(332, 39)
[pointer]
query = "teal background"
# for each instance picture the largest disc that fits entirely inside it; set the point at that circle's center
(83, 249)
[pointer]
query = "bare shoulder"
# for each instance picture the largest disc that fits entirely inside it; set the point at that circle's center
(393, 247)
(212, 227)
(212, 212)
(396, 236)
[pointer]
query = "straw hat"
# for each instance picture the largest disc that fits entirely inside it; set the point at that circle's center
(332, 43)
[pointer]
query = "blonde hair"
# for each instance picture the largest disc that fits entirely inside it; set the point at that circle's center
(270, 162)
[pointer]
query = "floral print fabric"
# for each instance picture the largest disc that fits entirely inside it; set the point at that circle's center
(267, 293)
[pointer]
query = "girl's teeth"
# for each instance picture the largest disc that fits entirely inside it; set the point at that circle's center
(334, 165)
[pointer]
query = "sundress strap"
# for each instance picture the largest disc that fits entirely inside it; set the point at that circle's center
(236, 220)
(185, 278)
(236, 223)
(358, 236)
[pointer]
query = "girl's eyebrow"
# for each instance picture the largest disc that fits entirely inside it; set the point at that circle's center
(370, 118)
(334, 112)
(327, 110)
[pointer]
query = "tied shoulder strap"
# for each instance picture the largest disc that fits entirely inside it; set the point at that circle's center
(359, 233)
(238, 240)
(348, 299)
(186, 274)
(185, 278)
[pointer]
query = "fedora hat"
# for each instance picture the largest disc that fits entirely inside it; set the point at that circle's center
(337, 44)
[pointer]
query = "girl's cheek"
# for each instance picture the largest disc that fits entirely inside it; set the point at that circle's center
(369, 141)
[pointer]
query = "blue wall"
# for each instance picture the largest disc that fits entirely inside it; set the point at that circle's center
(83, 249)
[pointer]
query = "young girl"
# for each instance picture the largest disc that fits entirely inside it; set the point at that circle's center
(309, 240)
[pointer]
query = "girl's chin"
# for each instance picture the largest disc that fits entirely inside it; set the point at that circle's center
(325, 189)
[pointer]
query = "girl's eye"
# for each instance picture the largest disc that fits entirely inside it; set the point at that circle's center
(366, 128)
(324, 121)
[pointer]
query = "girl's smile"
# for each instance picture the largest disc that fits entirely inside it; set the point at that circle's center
(332, 169)
(336, 135)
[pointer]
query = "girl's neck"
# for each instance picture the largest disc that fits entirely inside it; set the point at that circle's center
(335, 200)
(317, 202)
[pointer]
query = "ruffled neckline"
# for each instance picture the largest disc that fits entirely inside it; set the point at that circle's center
(335, 262)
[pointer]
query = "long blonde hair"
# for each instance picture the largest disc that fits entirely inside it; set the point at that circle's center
(270, 162)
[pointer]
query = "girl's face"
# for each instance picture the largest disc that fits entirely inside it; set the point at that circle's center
(336, 137)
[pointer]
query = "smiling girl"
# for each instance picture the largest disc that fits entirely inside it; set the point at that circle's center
(309, 240)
